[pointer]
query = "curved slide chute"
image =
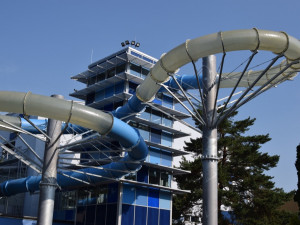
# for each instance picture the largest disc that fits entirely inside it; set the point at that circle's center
(106, 124)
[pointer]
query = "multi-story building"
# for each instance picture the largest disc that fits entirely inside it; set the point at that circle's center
(143, 197)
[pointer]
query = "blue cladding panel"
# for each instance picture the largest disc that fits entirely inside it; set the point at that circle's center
(70, 214)
(154, 155)
(112, 193)
(166, 158)
(119, 88)
(100, 214)
(153, 198)
(100, 95)
(140, 215)
(90, 215)
(156, 101)
(141, 196)
(142, 175)
(152, 216)
(128, 194)
(127, 214)
(111, 216)
(80, 217)
(164, 217)
(165, 200)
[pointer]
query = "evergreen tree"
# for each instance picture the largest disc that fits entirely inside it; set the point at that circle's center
(243, 186)
(297, 165)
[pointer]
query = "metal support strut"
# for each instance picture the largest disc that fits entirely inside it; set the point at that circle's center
(48, 183)
(209, 157)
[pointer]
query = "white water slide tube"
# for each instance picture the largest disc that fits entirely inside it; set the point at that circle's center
(106, 124)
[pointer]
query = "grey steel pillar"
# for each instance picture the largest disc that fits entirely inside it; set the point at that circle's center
(210, 153)
(48, 183)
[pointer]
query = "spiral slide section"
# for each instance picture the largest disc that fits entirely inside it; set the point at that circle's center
(106, 124)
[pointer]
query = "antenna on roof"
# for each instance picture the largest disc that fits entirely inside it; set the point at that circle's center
(92, 55)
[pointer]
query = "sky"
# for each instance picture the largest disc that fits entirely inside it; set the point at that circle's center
(44, 43)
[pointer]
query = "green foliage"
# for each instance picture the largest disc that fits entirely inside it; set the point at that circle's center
(297, 165)
(243, 186)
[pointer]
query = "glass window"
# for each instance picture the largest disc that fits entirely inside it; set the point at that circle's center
(153, 197)
(111, 72)
(156, 117)
(109, 91)
(154, 176)
(68, 199)
(135, 69)
(166, 139)
(154, 154)
(101, 195)
(165, 199)
(127, 214)
(100, 214)
(120, 68)
(144, 134)
(167, 121)
(83, 195)
(152, 216)
(100, 77)
(92, 80)
(165, 179)
(119, 88)
(90, 215)
(166, 158)
(90, 98)
(144, 72)
(141, 196)
(132, 87)
(142, 175)
(155, 136)
(167, 101)
(128, 194)
(100, 95)
(140, 215)
(164, 216)
(112, 193)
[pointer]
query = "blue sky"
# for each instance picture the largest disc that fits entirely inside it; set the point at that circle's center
(44, 43)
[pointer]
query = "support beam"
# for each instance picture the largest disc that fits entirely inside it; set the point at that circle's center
(209, 157)
(48, 183)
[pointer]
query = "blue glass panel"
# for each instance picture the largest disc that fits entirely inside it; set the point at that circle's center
(152, 216)
(90, 215)
(153, 197)
(135, 70)
(112, 193)
(141, 196)
(70, 214)
(156, 101)
(168, 122)
(140, 215)
(165, 200)
(100, 214)
(145, 115)
(166, 139)
(109, 107)
(128, 194)
(58, 215)
(167, 101)
(100, 95)
(154, 155)
(144, 134)
(80, 215)
(155, 136)
(142, 175)
(127, 214)
(119, 88)
(164, 217)
(109, 92)
(166, 158)
(111, 215)
(156, 117)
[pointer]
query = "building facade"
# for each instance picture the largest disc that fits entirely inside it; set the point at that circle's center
(145, 196)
